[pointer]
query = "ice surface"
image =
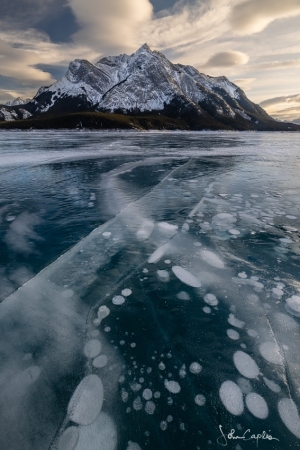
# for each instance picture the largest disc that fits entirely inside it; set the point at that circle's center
(244, 385)
(52, 326)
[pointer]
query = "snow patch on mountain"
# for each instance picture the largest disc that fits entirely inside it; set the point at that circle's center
(18, 101)
(7, 115)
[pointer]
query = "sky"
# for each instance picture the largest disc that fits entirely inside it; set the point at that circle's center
(255, 43)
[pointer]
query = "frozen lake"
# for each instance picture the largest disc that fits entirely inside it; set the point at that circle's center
(150, 291)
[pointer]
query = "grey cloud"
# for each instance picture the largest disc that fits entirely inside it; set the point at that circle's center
(279, 100)
(110, 25)
(253, 16)
(244, 83)
(283, 107)
(227, 59)
(19, 64)
(27, 12)
(5, 96)
(278, 64)
(290, 110)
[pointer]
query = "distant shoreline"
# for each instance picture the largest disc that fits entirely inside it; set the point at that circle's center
(146, 122)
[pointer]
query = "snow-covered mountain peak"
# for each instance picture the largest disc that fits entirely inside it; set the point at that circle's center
(144, 48)
(146, 81)
(18, 101)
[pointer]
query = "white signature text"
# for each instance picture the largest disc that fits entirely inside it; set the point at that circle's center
(246, 436)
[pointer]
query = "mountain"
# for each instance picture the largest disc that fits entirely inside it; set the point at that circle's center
(18, 101)
(147, 84)
(9, 113)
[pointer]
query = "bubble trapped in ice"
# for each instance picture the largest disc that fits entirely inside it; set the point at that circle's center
(232, 397)
(118, 300)
(185, 276)
(245, 364)
(195, 368)
(172, 386)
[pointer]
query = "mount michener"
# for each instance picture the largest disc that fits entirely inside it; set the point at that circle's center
(141, 91)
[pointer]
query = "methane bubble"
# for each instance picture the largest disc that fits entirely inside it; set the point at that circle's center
(185, 276)
(232, 398)
(245, 364)
(289, 415)
(86, 402)
(257, 405)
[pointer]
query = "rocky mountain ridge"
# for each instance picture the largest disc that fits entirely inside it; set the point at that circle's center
(146, 82)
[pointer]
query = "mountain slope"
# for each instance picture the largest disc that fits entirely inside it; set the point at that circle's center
(18, 101)
(146, 82)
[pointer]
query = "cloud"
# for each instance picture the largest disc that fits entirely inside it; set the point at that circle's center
(27, 12)
(253, 16)
(110, 25)
(5, 96)
(275, 65)
(284, 107)
(230, 58)
(26, 56)
(18, 64)
(279, 100)
(186, 27)
(244, 83)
